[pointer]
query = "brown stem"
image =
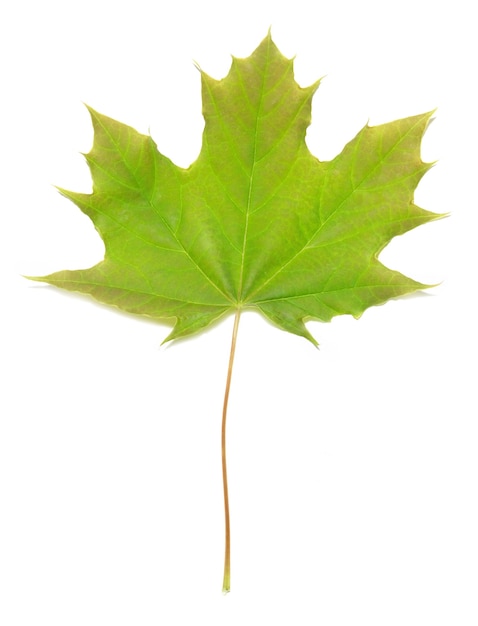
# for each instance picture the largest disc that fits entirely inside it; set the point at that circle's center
(226, 585)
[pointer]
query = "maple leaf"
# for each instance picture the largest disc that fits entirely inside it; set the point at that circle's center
(256, 222)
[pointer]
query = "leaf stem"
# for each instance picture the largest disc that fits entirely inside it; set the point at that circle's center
(226, 585)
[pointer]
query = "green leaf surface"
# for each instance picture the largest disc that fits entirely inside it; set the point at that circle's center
(256, 222)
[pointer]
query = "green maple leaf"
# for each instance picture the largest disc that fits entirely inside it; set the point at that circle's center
(256, 222)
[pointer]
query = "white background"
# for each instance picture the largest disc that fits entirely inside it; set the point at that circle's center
(353, 468)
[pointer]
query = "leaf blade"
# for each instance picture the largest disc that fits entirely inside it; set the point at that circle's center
(256, 221)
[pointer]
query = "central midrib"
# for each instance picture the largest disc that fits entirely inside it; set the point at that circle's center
(251, 183)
